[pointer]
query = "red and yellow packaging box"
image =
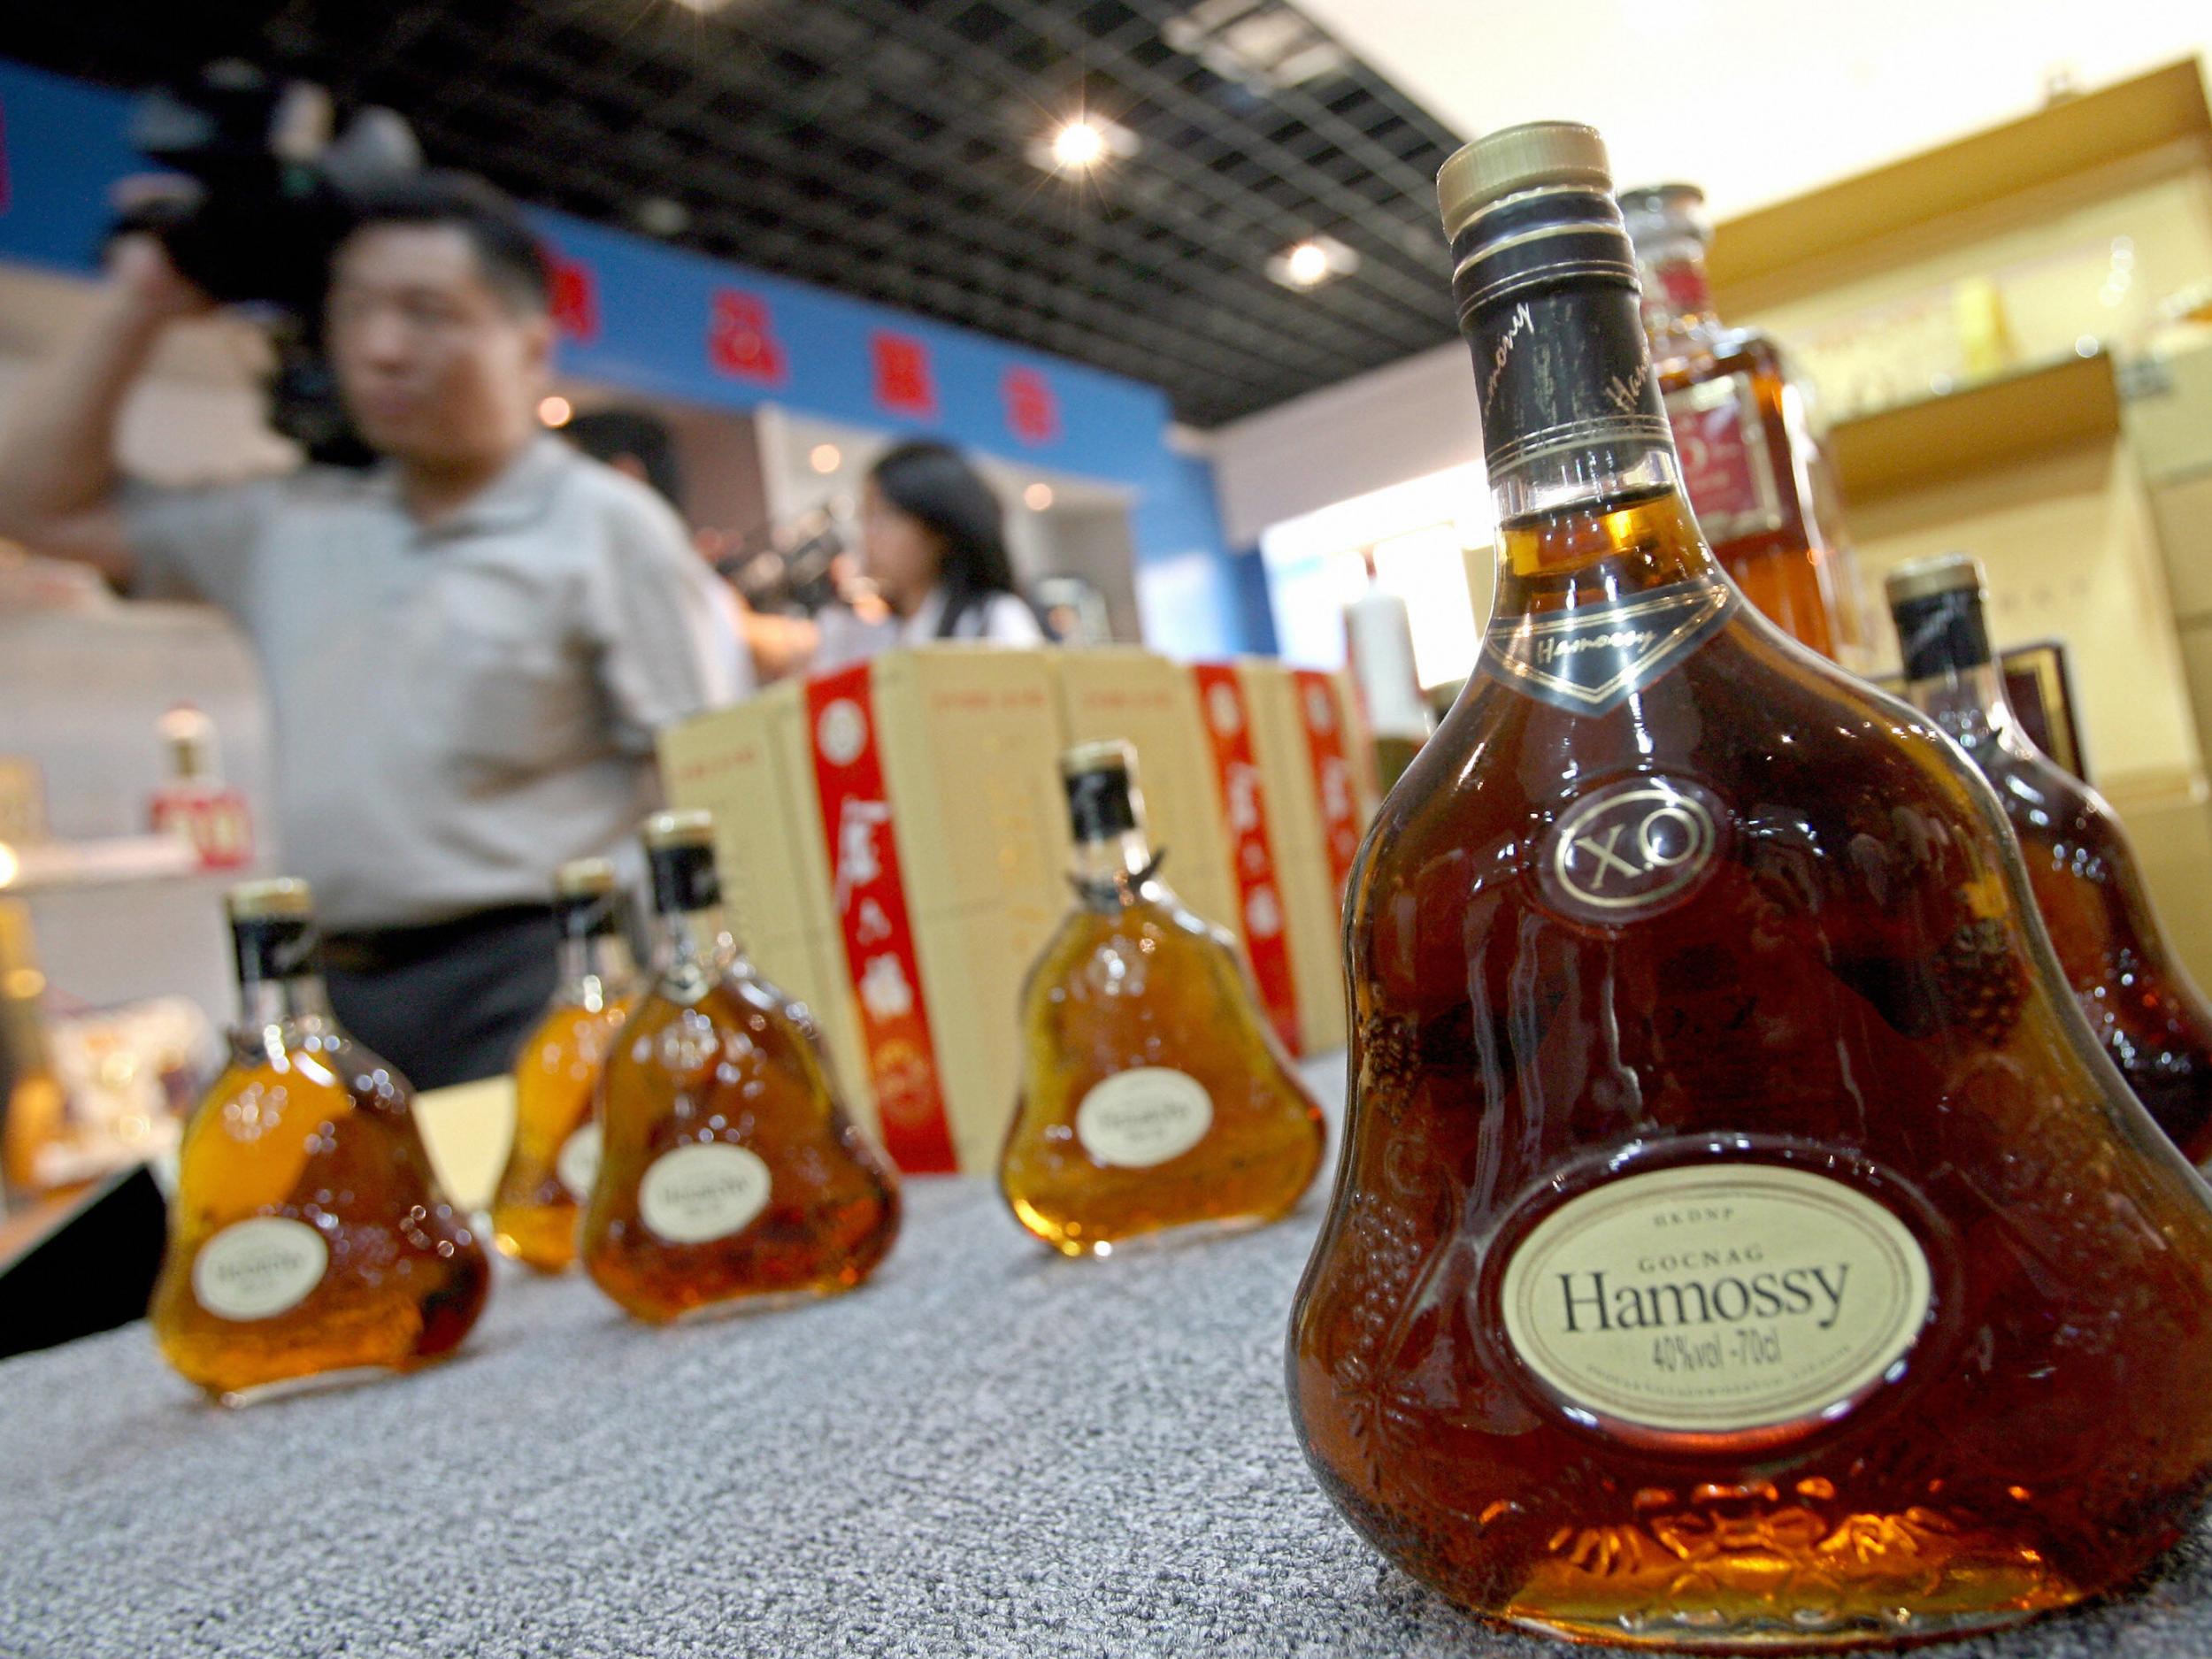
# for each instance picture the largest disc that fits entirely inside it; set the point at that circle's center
(1151, 703)
(1309, 751)
(896, 830)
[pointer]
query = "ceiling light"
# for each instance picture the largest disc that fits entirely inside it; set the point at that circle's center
(824, 457)
(554, 410)
(1312, 262)
(1078, 145)
(1037, 497)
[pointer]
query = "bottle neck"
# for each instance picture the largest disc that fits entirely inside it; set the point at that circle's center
(1113, 872)
(1951, 673)
(268, 1007)
(1967, 701)
(690, 942)
(595, 968)
(1584, 478)
(1677, 298)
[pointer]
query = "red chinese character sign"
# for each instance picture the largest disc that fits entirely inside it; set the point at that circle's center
(904, 382)
(1032, 410)
(741, 341)
(575, 300)
(871, 914)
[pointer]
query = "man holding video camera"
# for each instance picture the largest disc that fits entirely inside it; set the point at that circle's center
(468, 647)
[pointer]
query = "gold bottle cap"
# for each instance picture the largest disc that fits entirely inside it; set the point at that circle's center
(585, 878)
(1112, 754)
(279, 895)
(1924, 579)
(692, 828)
(1516, 159)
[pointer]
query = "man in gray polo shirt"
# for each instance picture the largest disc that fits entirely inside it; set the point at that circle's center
(467, 649)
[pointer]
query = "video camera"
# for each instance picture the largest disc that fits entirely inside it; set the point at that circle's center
(266, 196)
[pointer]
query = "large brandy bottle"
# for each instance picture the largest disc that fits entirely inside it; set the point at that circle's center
(308, 1237)
(1747, 458)
(1154, 1094)
(2137, 997)
(729, 1175)
(555, 1153)
(1740, 1240)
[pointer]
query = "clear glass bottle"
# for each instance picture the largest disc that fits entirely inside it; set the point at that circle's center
(555, 1154)
(730, 1175)
(2145, 1009)
(1750, 463)
(1741, 1241)
(309, 1241)
(1154, 1094)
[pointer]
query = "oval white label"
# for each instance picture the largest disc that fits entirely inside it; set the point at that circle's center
(1136, 1119)
(259, 1268)
(698, 1193)
(1715, 1298)
(577, 1164)
(1631, 848)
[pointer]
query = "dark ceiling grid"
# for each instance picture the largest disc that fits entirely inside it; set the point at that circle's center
(878, 146)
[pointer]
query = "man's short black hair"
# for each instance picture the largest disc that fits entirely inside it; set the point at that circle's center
(513, 260)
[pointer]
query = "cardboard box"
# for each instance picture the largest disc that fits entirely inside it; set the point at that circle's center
(933, 785)
(1120, 691)
(745, 764)
(1306, 749)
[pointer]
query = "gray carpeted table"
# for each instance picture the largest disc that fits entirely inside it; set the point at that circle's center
(988, 1451)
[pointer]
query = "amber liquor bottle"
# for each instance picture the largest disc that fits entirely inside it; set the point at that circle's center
(1155, 1097)
(1741, 1241)
(2136, 996)
(1748, 461)
(309, 1241)
(730, 1176)
(555, 1154)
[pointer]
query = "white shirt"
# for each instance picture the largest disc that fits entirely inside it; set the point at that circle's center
(458, 708)
(1002, 619)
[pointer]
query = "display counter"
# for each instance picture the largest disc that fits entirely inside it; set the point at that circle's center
(989, 1449)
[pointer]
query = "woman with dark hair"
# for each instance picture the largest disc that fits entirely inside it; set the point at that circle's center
(932, 540)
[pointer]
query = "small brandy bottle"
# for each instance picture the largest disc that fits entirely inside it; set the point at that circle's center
(1750, 463)
(1741, 1241)
(730, 1176)
(556, 1155)
(1154, 1094)
(2138, 999)
(308, 1237)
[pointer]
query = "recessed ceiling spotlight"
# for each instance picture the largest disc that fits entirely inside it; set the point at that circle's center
(663, 216)
(825, 459)
(704, 7)
(1037, 497)
(1310, 262)
(554, 410)
(1078, 145)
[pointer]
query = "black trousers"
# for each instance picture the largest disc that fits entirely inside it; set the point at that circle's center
(450, 1003)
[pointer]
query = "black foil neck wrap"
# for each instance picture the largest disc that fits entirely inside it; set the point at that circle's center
(1940, 634)
(1100, 804)
(270, 949)
(683, 878)
(1548, 297)
(590, 915)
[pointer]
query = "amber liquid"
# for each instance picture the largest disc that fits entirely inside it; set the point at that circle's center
(315, 1129)
(1853, 989)
(1139, 981)
(533, 1212)
(739, 1064)
(2138, 999)
(1782, 570)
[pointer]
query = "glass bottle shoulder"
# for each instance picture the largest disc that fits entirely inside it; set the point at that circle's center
(1098, 944)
